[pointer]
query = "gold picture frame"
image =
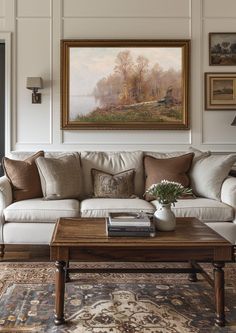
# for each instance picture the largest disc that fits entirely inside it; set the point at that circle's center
(220, 91)
(125, 84)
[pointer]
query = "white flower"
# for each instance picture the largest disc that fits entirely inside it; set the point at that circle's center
(167, 191)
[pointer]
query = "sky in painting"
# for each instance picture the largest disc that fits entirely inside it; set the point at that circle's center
(89, 65)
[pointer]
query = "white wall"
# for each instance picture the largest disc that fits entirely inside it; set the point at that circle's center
(37, 27)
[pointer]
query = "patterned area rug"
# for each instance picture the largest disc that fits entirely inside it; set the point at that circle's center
(111, 303)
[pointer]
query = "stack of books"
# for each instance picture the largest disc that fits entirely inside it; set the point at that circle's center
(129, 225)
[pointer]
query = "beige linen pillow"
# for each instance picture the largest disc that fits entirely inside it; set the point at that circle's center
(24, 177)
(208, 173)
(173, 169)
(60, 177)
(106, 185)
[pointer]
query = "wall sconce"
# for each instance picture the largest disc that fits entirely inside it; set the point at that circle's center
(234, 122)
(35, 83)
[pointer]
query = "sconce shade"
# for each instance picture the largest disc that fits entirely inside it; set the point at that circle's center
(234, 122)
(34, 83)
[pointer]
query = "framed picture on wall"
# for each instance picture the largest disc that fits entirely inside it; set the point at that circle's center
(125, 84)
(222, 48)
(220, 91)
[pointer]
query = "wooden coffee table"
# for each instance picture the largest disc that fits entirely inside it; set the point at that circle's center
(85, 240)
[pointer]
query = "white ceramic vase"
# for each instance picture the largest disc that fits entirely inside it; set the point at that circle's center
(164, 218)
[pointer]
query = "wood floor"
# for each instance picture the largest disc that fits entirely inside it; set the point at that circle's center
(27, 253)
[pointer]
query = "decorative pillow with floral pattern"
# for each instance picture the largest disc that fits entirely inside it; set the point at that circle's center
(106, 185)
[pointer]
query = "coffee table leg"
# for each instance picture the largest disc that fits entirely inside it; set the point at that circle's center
(60, 292)
(192, 276)
(2, 248)
(219, 293)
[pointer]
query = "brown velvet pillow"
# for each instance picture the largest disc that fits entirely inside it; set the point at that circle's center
(120, 185)
(24, 177)
(173, 169)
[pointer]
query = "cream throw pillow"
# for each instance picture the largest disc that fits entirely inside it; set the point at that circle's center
(208, 173)
(60, 177)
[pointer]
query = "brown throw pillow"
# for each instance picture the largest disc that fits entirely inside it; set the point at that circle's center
(24, 177)
(106, 185)
(173, 169)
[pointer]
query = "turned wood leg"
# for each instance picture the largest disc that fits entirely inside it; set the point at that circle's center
(67, 272)
(2, 248)
(193, 275)
(60, 292)
(219, 293)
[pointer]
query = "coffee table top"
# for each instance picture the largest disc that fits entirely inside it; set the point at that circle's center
(92, 232)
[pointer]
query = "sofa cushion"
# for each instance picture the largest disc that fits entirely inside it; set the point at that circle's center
(202, 208)
(120, 185)
(157, 154)
(172, 169)
(225, 229)
(60, 177)
(40, 210)
(28, 233)
(24, 177)
(113, 163)
(208, 173)
(97, 207)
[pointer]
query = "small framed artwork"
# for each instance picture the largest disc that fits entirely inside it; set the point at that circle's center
(220, 91)
(125, 84)
(222, 48)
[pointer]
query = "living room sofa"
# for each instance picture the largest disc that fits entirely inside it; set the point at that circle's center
(31, 221)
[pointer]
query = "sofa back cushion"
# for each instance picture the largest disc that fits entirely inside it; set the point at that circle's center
(24, 177)
(113, 163)
(61, 176)
(208, 173)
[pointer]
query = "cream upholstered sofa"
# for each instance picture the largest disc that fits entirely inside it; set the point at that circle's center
(32, 221)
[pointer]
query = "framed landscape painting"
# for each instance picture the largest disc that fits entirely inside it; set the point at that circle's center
(222, 48)
(125, 84)
(220, 91)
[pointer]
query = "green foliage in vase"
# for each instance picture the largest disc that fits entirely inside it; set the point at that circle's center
(167, 192)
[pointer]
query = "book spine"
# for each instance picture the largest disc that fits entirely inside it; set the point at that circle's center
(130, 234)
(132, 224)
(130, 229)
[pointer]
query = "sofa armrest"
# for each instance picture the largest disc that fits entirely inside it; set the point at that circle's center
(5, 193)
(228, 193)
(5, 200)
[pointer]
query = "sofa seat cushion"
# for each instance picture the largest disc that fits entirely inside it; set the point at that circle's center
(204, 209)
(98, 207)
(28, 233)
(225, 229)
(40, 210)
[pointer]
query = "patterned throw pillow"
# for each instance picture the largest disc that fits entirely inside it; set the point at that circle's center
(120, 185)
(24, 177)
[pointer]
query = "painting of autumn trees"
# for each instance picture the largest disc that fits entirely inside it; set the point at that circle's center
(133, 82)
(127, 86)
